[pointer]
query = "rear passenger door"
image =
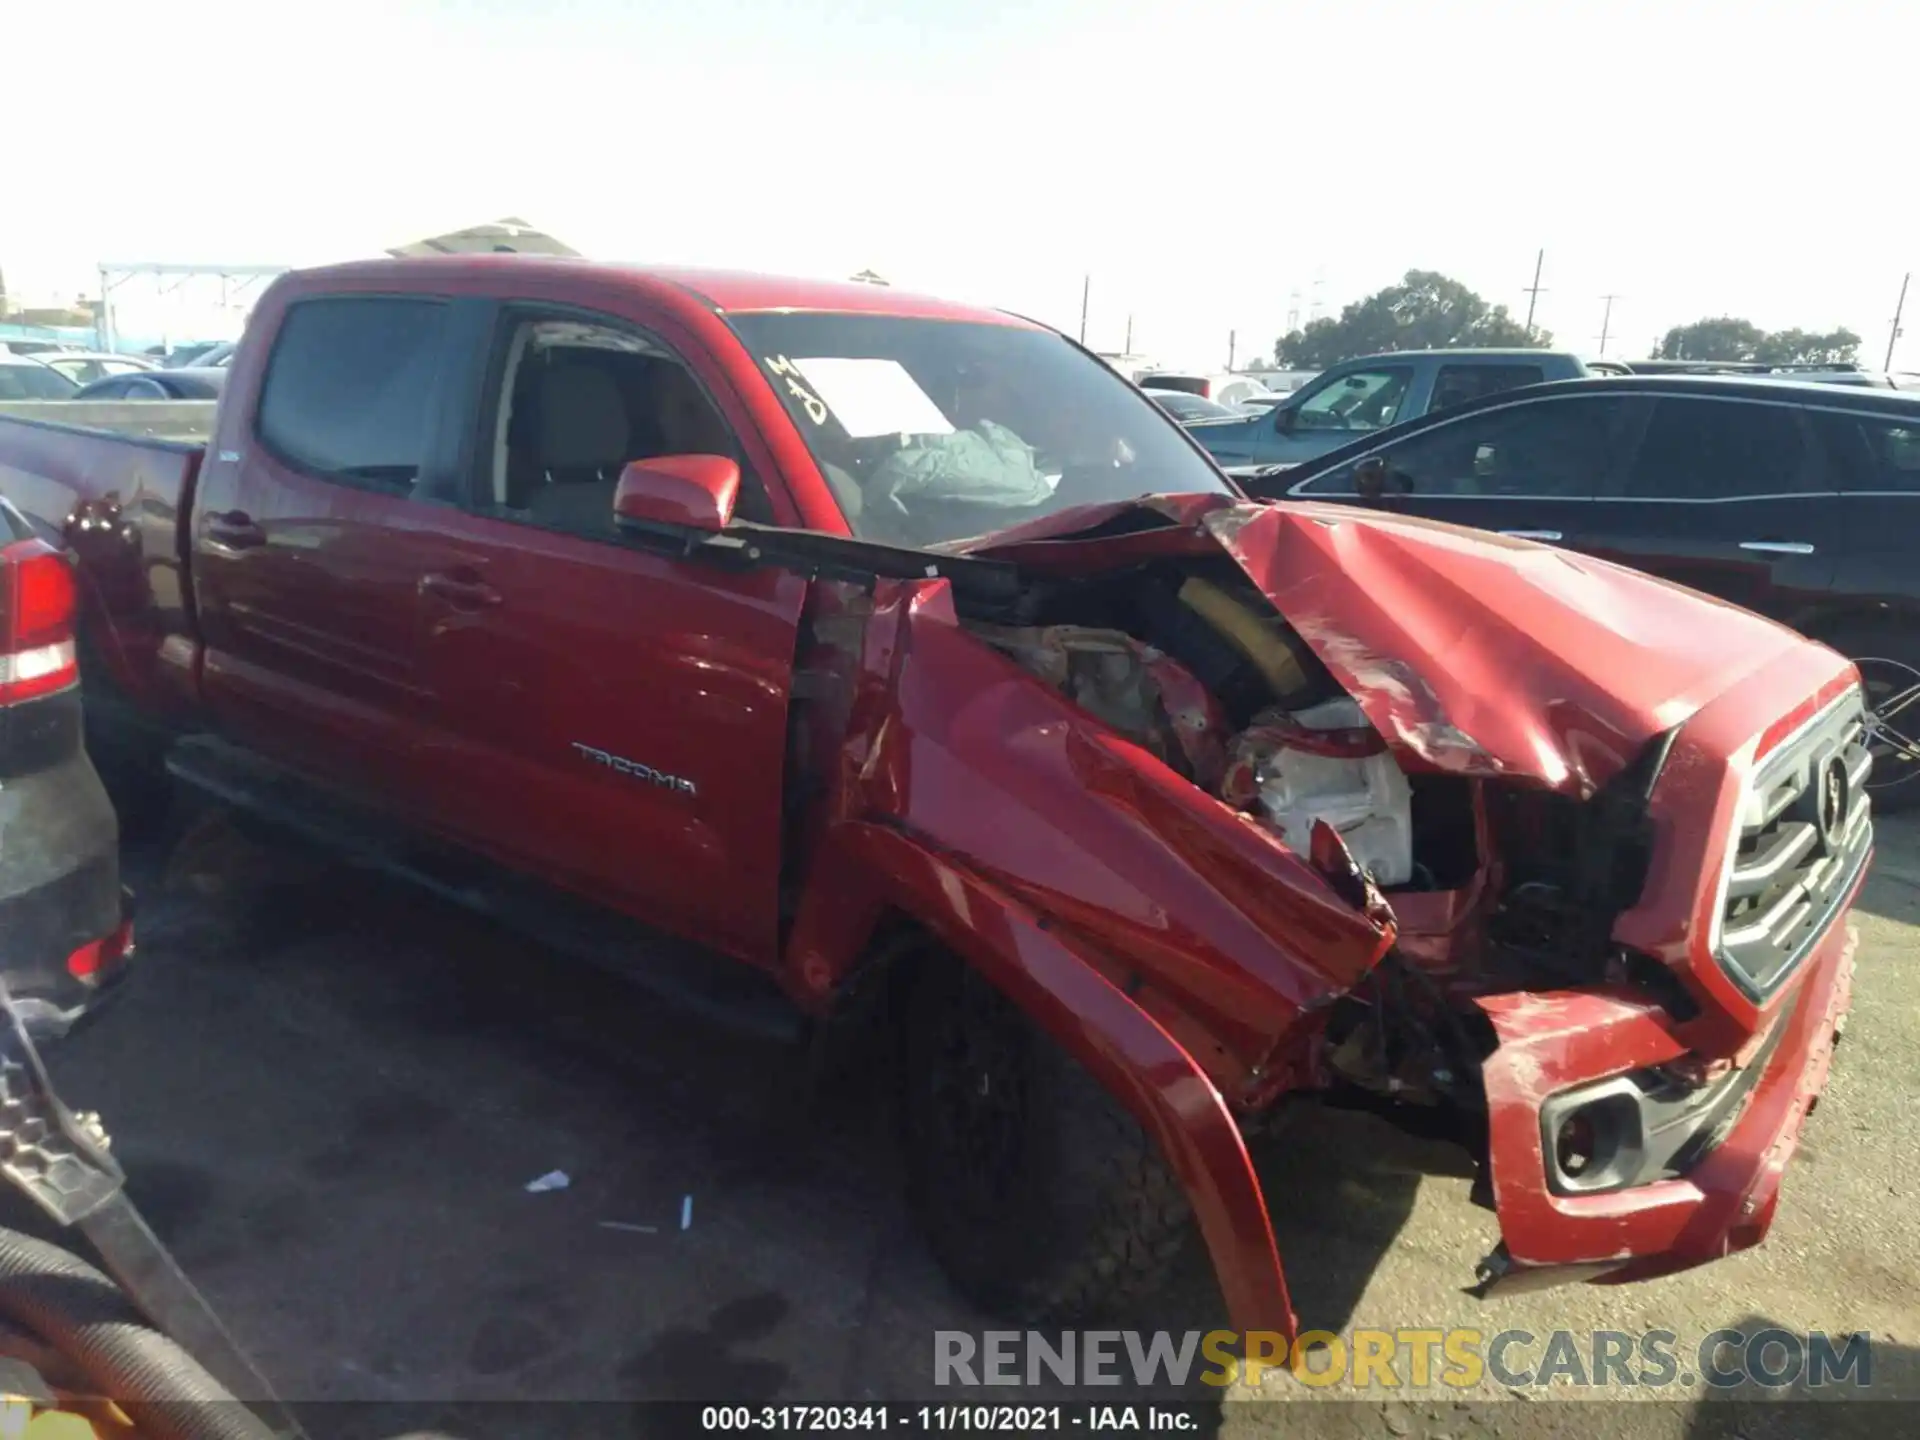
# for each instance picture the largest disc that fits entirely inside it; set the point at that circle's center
(1728, 495)
(320, 508)
(1876, 463)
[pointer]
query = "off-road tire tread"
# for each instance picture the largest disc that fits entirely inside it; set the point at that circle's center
(1104, 1225)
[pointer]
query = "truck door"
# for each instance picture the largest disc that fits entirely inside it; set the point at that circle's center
(315, 517)
(1729, 496)
(610, 718)
(1334, 411)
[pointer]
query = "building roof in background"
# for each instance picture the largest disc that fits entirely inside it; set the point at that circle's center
(511, 234)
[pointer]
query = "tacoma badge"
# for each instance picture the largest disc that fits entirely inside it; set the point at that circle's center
(637, 770)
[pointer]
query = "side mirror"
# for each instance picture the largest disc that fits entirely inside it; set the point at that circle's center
(1283, 418)
(692, 492)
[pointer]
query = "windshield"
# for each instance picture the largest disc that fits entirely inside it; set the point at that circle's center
(33, 382)
(930, 431)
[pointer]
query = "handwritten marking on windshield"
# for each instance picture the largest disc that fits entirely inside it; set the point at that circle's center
(815, 407)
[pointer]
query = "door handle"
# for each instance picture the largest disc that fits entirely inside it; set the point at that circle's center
(1777, 547)
(463, 592)
(232, 530)
(1533, 534)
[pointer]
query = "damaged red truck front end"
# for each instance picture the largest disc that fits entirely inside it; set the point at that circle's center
(1238, 801)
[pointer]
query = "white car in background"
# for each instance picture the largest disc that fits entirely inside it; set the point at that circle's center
(1229, 389)
(24, 378)
(83, 367)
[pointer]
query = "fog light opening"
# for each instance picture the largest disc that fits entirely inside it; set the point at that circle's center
(1575, 1145)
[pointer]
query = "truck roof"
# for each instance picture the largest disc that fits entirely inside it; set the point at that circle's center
(670, 286)
(1465, 352)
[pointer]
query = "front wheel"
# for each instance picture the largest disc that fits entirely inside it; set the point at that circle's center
(1042, 1200)
(1889, 659)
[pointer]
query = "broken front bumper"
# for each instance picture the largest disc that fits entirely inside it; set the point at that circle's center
(1725, 1198)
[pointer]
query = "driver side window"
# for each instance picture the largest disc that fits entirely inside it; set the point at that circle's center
(1548, 449)
(1364, 400)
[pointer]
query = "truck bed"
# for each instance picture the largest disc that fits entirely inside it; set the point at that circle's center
(118, 500)
(190, 420)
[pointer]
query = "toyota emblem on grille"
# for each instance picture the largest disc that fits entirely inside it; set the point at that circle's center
(1832, 806)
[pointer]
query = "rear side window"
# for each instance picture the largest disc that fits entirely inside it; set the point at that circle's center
(1457, 384)
(1718, 450)
(351, 387)
(1871, 453)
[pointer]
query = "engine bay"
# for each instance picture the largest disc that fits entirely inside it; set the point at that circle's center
(1494, 885)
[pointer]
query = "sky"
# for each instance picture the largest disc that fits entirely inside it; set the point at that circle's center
(1194, 164)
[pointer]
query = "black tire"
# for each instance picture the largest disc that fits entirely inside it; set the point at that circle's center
(1889, 659)
(1041, 1199)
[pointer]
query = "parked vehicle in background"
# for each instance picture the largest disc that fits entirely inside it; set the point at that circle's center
(181, 356)
(85, 366)
(1825, 374)
(1221, 389)
(29, 347)
(24, 378)
(193, 384)
(1281, 382)
(904, 662)
(1797, 500)
(1360, 396)
(1185, 407)
(219, 356)
(65, 923)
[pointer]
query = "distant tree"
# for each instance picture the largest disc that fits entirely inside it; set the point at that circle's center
(1425, 311)
(1726, 338)
(1798, 347)
(1721, 338)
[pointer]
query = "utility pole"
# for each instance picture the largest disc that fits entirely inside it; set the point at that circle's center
(1086, 289)
(1533, 291)
(1898, 310)
(1232, 337)
(1127, 349)
(1606, 321)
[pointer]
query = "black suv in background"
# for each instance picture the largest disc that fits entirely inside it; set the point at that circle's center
(65, 922)
(1798, 500)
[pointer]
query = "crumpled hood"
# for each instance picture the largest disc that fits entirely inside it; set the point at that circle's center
(1489, 655)
(1477, 653)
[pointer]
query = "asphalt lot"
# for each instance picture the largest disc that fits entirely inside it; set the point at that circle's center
(330, 1093)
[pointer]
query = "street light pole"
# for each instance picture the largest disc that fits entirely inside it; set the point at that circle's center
(1086, 290)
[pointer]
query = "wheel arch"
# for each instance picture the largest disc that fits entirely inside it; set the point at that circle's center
(1142, 1066)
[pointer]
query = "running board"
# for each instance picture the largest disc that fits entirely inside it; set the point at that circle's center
(703, 982)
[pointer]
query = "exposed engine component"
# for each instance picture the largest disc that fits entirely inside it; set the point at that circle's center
(1149, 697)
(1303, 751)
(1326, 763)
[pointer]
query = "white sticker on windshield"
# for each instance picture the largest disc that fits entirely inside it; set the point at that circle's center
(873, 397)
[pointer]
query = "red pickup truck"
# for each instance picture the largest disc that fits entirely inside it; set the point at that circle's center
(900, 662)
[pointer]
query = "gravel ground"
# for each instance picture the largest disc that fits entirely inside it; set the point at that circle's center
(330, 1094)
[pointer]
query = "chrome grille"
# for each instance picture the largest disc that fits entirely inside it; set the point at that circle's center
(1805, 829)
